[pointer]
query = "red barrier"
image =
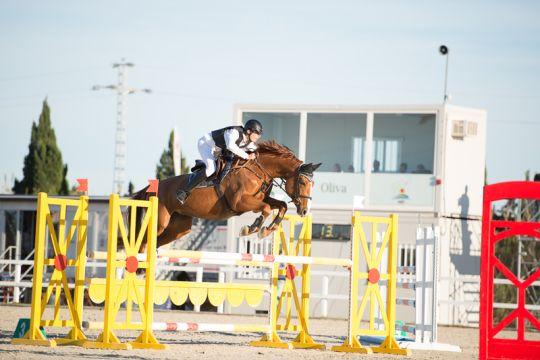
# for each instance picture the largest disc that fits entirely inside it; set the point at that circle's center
(494, 231)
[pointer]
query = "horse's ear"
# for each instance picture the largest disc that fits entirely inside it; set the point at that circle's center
(316, 166)
(306, 168)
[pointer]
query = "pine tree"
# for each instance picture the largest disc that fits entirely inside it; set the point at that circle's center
(131, 189)
(165, 167)
(64, 188)
(43, 169)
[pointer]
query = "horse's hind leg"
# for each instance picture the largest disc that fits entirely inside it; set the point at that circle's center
(253, 228)
(179, 225)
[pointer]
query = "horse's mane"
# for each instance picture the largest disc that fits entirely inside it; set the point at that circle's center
(270, 147)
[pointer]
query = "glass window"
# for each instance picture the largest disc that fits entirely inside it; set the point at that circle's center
(281, 127)
(404, 143)
(403, 160)
(337, 140)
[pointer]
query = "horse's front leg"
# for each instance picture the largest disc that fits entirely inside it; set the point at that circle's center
(249, 203)
(282, 209)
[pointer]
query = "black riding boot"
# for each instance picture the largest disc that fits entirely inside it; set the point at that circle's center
(194, 179)
(226, 168)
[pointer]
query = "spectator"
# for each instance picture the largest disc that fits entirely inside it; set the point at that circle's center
(421, 169)
(337, 168)
(403, 168)
(376, 166)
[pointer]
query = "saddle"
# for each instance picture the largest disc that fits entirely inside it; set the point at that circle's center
(213, 180)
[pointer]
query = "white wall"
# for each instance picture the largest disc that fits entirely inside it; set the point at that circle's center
(464, 165)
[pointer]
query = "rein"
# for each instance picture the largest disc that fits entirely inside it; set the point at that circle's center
(296, 195)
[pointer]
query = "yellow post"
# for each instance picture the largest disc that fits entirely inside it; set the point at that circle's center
(290, 245)
(76, 332)
(351, 343)
(147, 339)
(390, 346)
(373, 257)
(107, 339)
(127, 289)
(34, 335)
(271, 338)
(58, 282)
(304, 340)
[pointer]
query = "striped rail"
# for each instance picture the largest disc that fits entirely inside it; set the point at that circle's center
(229, 258)
(190, 327)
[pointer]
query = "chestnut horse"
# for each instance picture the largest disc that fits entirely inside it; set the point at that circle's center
(245, 188)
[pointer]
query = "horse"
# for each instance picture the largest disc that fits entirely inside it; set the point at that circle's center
(246, 187)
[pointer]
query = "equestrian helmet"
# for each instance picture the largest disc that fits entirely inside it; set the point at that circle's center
(254, 126)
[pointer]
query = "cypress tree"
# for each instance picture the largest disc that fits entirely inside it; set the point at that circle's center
(43, 169)
(131, 189)
(165, 167)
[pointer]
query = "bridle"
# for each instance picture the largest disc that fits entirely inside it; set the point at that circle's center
(296, 197)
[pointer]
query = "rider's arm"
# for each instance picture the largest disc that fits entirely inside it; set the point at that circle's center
(251, 147)
(230, 140)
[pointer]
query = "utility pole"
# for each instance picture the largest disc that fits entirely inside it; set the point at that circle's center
(120, 146)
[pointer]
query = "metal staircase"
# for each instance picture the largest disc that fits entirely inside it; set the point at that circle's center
(12, 274)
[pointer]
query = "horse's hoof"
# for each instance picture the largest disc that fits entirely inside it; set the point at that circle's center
(263, 232)
(244, 231)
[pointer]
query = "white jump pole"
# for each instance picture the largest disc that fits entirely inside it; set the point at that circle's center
(189, 326)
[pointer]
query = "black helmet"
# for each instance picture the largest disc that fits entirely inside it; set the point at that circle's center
(254, 125)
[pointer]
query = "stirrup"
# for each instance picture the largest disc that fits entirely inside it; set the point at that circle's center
(182, 196)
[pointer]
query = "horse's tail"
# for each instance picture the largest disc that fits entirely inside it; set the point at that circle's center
(141, 194)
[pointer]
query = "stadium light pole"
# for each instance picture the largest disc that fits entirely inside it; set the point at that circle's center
(120, 146)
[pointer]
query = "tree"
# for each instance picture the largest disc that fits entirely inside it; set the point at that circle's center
(165, 167)
(131, 189)
(43, 169)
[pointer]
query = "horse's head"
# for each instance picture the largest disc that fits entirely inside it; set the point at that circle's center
(280, 162)
(299, 187)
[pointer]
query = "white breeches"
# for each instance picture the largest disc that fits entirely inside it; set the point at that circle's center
(206, 149)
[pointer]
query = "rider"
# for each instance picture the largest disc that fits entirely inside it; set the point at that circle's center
(227, 142)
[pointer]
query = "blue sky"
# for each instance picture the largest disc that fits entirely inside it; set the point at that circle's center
(202, 57)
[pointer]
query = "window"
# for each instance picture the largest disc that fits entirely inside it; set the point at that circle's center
(403, 160)
(281, 127)
(333, 140)
(386, 154)
(404, 143)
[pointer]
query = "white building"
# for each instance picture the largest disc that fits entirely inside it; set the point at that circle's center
(426, 163)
